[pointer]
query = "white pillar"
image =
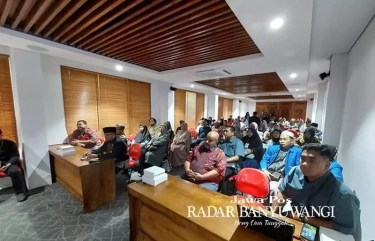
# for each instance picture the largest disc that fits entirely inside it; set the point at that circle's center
(171, 109)
(336, 91)
(236, 108)
(159, 100)
(309, 109)
(28, 92)
(320, 102)
(211, 105)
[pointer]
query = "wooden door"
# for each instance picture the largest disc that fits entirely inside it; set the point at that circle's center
(300, 110)
(286, 110)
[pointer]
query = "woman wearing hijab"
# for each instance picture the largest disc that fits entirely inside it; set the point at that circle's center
(273, 138)
(169, 129)
(156, 148)
(143, 136)
(253, 149)
(254, 125)
(308, 137)
(180, 147)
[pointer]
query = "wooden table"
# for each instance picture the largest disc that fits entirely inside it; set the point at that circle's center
(161, 213)
(92, 184)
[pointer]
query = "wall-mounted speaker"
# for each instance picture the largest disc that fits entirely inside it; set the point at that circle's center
(172, 88)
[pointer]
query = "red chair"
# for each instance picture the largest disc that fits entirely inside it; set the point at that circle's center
(252, 182)
(135, 153)
(193, 134)
(132, 137)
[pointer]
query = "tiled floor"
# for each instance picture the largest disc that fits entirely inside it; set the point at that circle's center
(53, 214)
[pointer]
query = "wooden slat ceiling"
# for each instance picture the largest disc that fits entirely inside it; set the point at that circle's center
(257, 83)
(271, 97)
(159, 35)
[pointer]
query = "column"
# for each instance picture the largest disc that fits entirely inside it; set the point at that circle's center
(211, 105)
(160, 100)
(171, 109)
(28, 92)
(320, 104)
(236, 108)
(309, 108)
(336, 92)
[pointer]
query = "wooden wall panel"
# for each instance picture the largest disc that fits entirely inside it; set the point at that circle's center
(225, 107)
(199, 107)
(80, 98)
(104, 100)
(113, 102)
(7, 112)
(179, 107)
(139, 104)
(287, 110)
(191, 105)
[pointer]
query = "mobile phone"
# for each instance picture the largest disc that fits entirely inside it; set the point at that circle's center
(308, 232)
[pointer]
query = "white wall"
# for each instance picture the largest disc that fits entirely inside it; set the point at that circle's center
(335, 100)
(159, 94)
(211, 105)
(357, 150)
(309, 109)
(246, 106)
(236, 108)
(320, 104)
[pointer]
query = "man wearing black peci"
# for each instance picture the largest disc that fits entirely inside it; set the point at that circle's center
(113, 147)
(9, 158)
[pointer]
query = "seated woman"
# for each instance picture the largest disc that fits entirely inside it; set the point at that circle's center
(254, 125)
(143, 136)
(156, 148)
(273, 138)
(169, 130)
(308, 137)
(180, 146)
(253, 149)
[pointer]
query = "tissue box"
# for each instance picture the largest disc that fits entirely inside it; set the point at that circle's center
(66, 150)
(155, 181)
(153, 171)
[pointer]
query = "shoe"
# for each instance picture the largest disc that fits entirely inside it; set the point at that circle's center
(21, 197)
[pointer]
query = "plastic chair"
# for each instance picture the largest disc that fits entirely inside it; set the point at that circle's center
(132, 137)
(193, 134)
(252, 182)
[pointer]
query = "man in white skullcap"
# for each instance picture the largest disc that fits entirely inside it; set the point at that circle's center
(279, 159)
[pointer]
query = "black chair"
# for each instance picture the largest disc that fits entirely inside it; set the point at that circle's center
(227, 185)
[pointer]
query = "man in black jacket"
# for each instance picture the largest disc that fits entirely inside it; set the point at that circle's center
(254, 118)
(9, 158)
(113, 147)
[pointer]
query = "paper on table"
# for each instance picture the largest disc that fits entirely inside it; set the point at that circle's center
(327, 234)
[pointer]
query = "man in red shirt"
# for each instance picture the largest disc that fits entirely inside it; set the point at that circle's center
(83, 136)
(206, 164)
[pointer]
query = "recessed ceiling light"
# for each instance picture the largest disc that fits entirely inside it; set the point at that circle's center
(300, 99)
(119, 68)
(276, 23)
(297, 89)
(293, 75)
(299, 96)
(192, 86)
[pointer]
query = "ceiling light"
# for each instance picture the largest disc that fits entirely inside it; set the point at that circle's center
(300, 99)
(299, 96)
(293, 75)
(192, 86)
(119, 68)
(297, 89)
(276, 23)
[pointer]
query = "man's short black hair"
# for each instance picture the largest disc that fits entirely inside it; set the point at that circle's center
(324, 150)
(152, 119)
(255, 113)
(231, 128)
(83, 121)
(314, 125)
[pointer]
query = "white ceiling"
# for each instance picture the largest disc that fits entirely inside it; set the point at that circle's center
(313, 30)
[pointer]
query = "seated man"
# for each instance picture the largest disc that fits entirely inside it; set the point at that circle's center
(9, 160)
(318, 133)
(83, 136)
(312, 186)
(113, 147)
(234, 150)
(202, 133)
(120, 132)
(206, 164)
(278, 159)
